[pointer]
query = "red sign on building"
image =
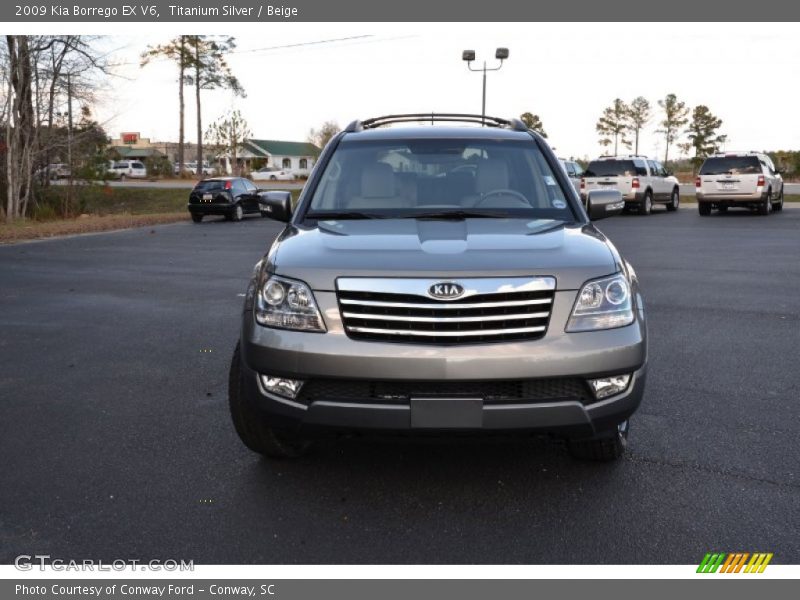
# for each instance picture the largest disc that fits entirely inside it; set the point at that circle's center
(130, 138)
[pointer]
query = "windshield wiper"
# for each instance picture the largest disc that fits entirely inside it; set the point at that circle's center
(324, 215)
(457, 215)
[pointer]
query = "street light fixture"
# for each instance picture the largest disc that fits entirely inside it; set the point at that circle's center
(468, 56)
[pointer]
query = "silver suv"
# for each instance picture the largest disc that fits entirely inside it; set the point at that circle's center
(744, 179)
(439, 279)
(642, 182)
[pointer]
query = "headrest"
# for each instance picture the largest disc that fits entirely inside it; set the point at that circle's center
(377, 181)
(492, 174)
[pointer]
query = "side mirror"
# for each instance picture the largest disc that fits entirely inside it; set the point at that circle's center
(604, 203)
(276, 205)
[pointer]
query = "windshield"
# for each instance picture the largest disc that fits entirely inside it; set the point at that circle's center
(611, 168)
(439, 178)
(733, 165)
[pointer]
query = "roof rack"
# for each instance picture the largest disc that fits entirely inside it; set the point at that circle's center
(514, 124)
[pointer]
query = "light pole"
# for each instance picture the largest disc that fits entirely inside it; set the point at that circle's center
(468, 56)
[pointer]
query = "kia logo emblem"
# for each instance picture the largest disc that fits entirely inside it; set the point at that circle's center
(446, 290)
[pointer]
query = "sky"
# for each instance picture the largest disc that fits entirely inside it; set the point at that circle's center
(564, 72)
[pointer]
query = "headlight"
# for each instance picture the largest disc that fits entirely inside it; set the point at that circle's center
(602, 304)
(287, 304)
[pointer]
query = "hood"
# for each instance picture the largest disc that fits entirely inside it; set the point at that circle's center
(442, 249)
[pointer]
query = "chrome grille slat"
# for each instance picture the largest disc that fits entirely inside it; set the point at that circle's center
(402, 310)
(415, 332)
(448, 319)
(444, 305)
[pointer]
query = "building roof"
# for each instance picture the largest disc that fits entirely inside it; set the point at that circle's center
(281, 148)
(129, 152)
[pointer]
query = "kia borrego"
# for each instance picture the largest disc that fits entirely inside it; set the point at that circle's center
(440, 278)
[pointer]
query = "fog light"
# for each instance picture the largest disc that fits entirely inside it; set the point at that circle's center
(288, 388)
(608, 386)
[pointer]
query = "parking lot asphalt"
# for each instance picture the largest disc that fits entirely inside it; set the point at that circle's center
(116, 441)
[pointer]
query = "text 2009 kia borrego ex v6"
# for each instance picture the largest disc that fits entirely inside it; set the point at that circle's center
(440, 278)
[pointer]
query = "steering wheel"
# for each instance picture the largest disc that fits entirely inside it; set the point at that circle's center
(502, 192)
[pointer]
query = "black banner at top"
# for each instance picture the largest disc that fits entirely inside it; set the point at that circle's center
(241, 11)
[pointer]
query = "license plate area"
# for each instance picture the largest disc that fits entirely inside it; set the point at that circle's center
(446, 413)
(728, 185)
(207, 197)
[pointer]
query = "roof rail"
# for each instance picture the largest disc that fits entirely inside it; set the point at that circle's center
(514, 124)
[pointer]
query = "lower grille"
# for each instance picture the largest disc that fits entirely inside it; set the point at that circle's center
(400, 392)
(403, 310)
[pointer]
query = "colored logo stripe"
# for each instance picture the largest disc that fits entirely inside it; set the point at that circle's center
(734, 562)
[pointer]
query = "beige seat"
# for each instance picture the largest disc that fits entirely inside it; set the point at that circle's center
(491, 175)
(379, 189)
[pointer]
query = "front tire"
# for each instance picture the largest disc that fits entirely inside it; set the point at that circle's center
(675, 201)
(766, 205)
(779, 205)
(238, 213)
(252, 426)
(603, 447)
(646, 205)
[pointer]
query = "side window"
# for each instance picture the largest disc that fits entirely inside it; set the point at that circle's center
(660, 170)
(237, 187)
(641, 167)
(653, 168)
(577, 168)
(251, 189)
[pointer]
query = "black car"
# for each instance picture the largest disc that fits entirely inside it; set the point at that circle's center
(232, 197)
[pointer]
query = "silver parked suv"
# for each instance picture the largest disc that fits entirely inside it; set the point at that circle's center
(439, 279)
(744, 179)
(641, 180)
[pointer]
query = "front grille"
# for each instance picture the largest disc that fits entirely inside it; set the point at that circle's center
(407, 314)
(400, 392)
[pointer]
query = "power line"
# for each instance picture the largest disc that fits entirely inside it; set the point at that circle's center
(299, 44)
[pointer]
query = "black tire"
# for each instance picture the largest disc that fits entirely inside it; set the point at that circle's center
(646, 205)
(122, 177)
(765, 207)
(197, 218)
(601, 448)
(779, 205)
(704, 209)
(675, 201)
(273, 178)
(252, 426)
(237, 213)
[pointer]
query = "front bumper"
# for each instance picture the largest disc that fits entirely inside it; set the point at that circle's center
(333, 355)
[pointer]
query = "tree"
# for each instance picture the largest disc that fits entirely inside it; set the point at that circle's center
(638, 116)
(533, 122)
(675, 117)
(210, 71)
(178, 51)
(613, 125)
(320, 137)
(228, 134)
(702, 133)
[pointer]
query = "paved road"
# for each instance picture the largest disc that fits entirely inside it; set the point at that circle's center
(116, 443)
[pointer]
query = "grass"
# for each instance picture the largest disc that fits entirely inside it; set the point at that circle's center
(101, 208)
